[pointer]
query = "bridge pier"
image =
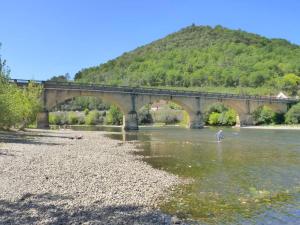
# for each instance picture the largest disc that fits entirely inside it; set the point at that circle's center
(196, 121)
(42, 120)
(130, 121)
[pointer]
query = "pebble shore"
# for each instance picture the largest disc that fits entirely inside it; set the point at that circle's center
(48, 178)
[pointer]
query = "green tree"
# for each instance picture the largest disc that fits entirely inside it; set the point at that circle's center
(293, 115)
(18, 106)
(290, 83)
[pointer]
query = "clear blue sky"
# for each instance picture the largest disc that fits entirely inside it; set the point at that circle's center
(44, 38)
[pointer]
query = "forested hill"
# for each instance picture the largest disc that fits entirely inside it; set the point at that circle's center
(198, 56)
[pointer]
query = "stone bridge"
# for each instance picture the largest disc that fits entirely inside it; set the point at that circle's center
(131, 99)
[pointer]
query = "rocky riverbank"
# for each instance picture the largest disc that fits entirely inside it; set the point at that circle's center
(50, 177)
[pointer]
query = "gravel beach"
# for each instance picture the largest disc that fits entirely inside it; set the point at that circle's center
(48, 178)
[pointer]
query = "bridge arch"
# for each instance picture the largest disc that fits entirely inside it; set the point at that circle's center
(188, 105)
(54, 98)
(165, 114)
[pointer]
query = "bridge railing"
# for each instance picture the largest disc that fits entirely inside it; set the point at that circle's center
(146, 90)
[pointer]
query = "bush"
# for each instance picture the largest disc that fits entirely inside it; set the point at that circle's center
(227, 118)
(167, 116)
(213, 118)
(114, 116)
(92, 118)
(145, 116)
(171, 119)
(54, 119)
(218, 114)
(263, 115)
(19, 106)
(72, 118)
(173, 105)
(293, 115)
(86, 111)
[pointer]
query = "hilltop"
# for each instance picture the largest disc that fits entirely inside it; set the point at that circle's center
(202, 56)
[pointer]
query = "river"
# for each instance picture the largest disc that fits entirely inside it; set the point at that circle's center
(251, 177)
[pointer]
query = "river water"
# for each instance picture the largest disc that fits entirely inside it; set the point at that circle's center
(251, 177)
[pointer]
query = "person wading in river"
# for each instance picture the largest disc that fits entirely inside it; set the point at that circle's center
(219, 135)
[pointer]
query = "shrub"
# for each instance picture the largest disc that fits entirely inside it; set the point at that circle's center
(145, 116)
(213, 118)
(216, 107)
(218, 114)
(81, 119)
(72, 118)
(293, 115)
(263, 115)
(173, 105)
(171, 119)
(227, 118)
(54, 119)
(92, 118)
(114, 116)
(86, 111)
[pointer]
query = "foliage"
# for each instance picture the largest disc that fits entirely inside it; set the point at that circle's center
(144, 115)
(202, 56)
(264, 115)
(61, 78)
(185, 119)
(293, 115)
(114, 116)
(173, 105)
(290, 83)
(82, 103)
(167, 116)
(54, 119)
(92, 118)
(227, 118)
(218, 114)
(86, 111)
(72, 118)
(18, 106)
(213, 118)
